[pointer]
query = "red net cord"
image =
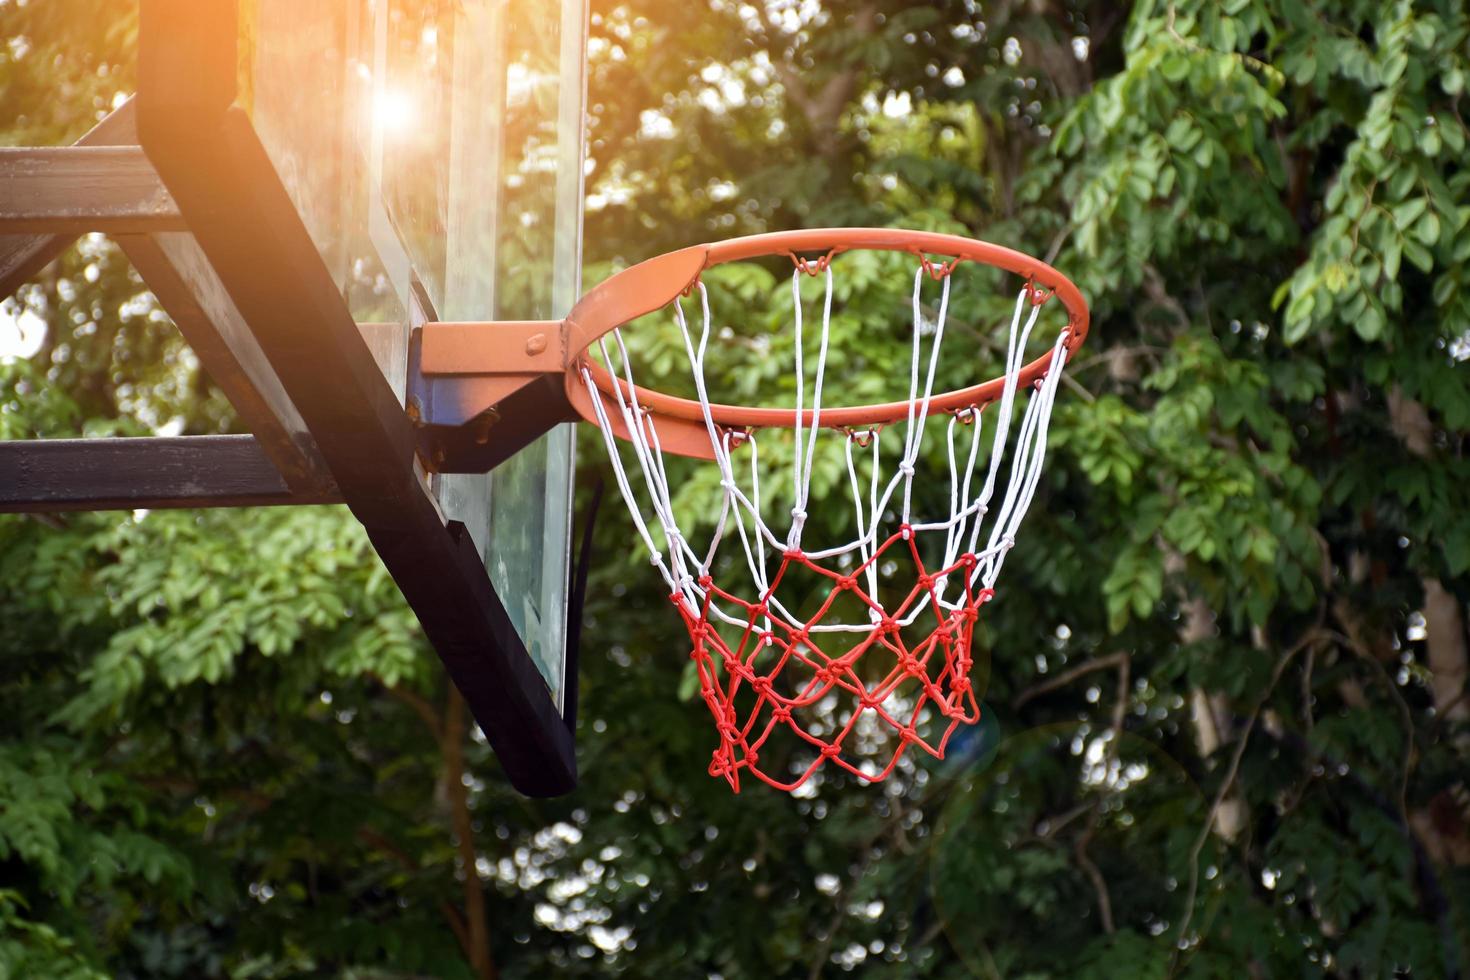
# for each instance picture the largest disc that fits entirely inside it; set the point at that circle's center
(926, 674)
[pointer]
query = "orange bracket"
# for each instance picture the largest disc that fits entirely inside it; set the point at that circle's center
(480, 391)
(496, 348)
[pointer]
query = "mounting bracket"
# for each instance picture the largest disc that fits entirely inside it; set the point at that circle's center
(478, 393)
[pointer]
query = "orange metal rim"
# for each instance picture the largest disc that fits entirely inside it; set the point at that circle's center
(606, 307)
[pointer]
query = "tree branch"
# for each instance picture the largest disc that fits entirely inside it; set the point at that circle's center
(455, 793)
(1111, 661)
(375, 839)
(1312, 635)
(1115, 737)
(1158, 294)
(1123, 663)
(1405, 716)
(1076, 387)
(420, 705)
(822, 111)
(791, 81)
(1099, 883)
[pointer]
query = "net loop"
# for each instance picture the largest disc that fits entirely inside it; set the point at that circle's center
(848, 656)
(937, 270)
(809, 267)
(1039, 295)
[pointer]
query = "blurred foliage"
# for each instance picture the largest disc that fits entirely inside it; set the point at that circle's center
(1214, 660)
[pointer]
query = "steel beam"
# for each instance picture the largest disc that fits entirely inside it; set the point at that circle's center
(179, 274)
(48, 475)
(22, 256)
(75, 189)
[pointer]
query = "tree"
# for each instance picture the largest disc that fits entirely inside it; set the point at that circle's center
(1227, 661)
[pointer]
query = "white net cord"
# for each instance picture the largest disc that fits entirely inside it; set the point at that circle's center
(687, 571)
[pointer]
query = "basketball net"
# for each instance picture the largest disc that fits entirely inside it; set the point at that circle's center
(861, 679)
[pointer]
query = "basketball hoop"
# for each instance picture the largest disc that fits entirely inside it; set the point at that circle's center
(765, 668)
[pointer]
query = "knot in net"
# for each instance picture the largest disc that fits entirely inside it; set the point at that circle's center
(846, 655)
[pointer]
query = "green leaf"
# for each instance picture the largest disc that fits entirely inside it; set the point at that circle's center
(1418, 255)
(1370, 324)
(1428, 228)
(1298, 316)
(1407, 212)
(1393, 251)
(1175, 67)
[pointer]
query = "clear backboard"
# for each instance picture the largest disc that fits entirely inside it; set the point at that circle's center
(434, 151)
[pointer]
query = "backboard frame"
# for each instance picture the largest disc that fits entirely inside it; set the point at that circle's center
(213, 162)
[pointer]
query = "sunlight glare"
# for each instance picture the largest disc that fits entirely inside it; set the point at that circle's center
(21, 334)
(393, 111)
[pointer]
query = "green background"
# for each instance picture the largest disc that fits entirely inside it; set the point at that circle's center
(1227, 727)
